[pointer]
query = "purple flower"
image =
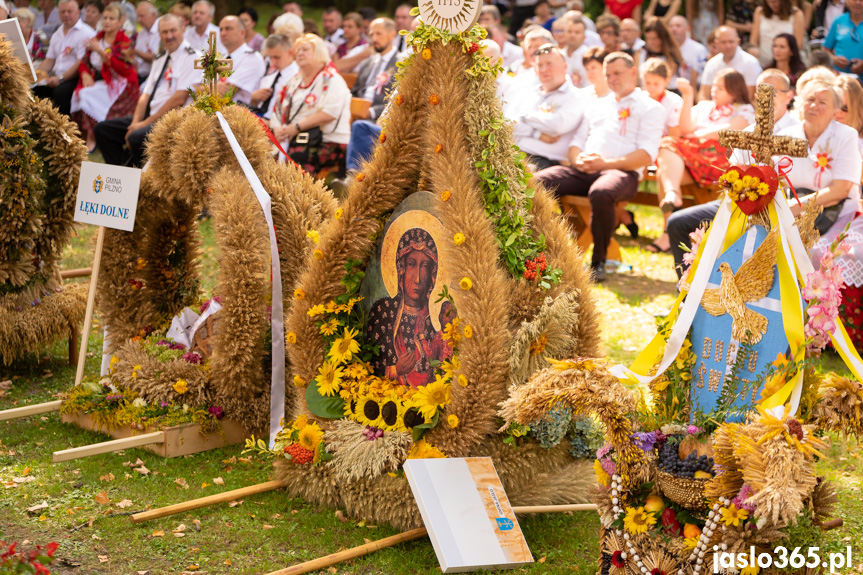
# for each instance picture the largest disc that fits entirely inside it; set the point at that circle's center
(644, 441)
(163, 342)
(193, 357)
(740, 501)
(216, 411)
(693, 430)
(609, 467)
(164, 403)
(174, 345)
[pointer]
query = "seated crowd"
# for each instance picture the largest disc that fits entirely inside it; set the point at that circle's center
(594, 103)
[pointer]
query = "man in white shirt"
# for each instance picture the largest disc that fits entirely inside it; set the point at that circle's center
(630, 35)
(279, 50)
(575, 48)
(683, 222)
(198, 32)
(525, 79)
(47, 18)
(510, 53)
(249, 66)
(331, 22)
(167, 88)
(376, 75)
(547, 118)
(731, 55)
(623, 137)
(694, 53)
(60, 67)
(147, 43)
(402, 17)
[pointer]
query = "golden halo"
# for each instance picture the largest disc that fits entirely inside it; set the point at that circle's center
(404, 222)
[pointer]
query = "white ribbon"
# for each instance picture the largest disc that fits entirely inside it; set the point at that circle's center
(277, 388)
(715, 240)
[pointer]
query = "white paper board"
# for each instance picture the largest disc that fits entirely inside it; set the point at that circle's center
(467, 513)
(11, 29)
(108, 196)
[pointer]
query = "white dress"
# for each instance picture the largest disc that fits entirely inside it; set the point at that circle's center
(770, 29)
(96, 100)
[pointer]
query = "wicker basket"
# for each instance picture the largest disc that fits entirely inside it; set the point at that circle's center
(686, 492)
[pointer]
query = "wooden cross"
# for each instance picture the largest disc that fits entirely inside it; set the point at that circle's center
(212, 75)
(761, 141)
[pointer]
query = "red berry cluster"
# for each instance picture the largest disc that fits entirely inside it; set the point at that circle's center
(299, 454)
(472, 48)
(136, 284)
(535, 268)
(795, 428)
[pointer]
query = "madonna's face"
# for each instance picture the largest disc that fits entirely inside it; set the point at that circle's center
(418, 278)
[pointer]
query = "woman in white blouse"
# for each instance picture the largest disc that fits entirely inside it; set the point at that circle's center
(833, 167)
(315, 101)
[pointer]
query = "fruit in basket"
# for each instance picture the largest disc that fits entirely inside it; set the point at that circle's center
(671, 462)
(692, 444)
(670, 522)
(690, 530)
(654, 504)
(703, 475)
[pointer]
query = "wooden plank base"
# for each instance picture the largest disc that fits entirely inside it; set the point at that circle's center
(29, 410)
(179, 440)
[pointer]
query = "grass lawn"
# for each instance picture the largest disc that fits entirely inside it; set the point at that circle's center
(87, 502)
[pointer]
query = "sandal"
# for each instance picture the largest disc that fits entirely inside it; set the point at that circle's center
(655, 249)
(632, 226)
(669, 205)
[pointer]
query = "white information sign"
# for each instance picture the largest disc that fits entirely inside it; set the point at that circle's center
(451, 15)
(12, 30)
(108, 196)
(467, 514)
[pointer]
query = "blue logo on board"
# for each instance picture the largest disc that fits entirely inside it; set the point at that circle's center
(504, 524)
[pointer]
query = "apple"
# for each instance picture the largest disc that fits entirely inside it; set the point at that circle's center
(670, 522)
(690, 531)
(654, 504)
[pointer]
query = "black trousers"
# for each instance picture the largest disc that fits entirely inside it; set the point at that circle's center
(111, 139)
(61, 95)
(682, 223)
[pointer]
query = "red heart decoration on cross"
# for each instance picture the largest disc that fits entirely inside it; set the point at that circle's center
(765, 174)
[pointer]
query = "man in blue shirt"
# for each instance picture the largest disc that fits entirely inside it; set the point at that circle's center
(844, 39)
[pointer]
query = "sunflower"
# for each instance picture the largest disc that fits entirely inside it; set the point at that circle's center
(637, 520)
(430, 398)
(330, 327)
(422, 450)
(300, 422)
(315, 310)
(329, 378)
(368, 412)
(345, 347)
(310, 436)
(733, 516)
(356, 370)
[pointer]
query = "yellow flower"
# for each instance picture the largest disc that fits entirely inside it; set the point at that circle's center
(114, 361)
(638, 520)
(468, 331)
(299, 294)
(732, 176)
(752, 196)
(737, 186)
(330, 327)
(445, 195)
(537, 347)
(747, 181)
(339, 213)
(181, 386)
(315, 310)
(301, 422)
(458, 239)
(310, 436)
(422, 450)
(429, 398)
(426, 54)
(452, 420)
(400, 100)
(750, 570)
(329, 378)
(434, 99)
(731, 515)
(601, 475)
(299, 381)
(142, 263)
(691, 542)
(345, 347)
(450, 332)
(136, 368)
(332, 307)
(318, 255)
(462, 380)
(291, 337)
(763, 189)
(465, 283)
(438, 148)
(361, 176)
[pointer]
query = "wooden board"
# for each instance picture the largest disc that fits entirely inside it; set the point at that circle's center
(179, 440)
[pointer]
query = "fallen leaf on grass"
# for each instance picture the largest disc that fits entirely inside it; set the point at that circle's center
(367, 540)
(233, 458)
(192, 568)
(205, 485)
(228, 562)
(244, 459)
(43, 518)
(218, 481)
(332, 570)
(124, 504)
(143, 572)
(277, 515)
(102, 498)
(181, 481)
(142, 470)
(6, 385)
(235, 503)
(267, 526)
(541, 560)
(39, 507)
(158, 534)
(341, 516)
(107, 478)
(180, 528)
(197, 523)
(179, 534)
(103, 558)
(96, 537)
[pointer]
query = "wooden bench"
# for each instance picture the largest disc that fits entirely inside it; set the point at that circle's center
(577, 209)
